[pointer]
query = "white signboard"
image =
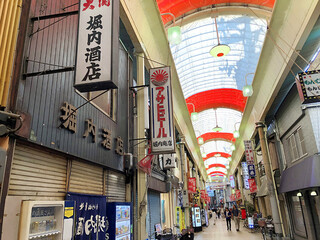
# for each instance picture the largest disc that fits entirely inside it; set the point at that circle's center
(185, 198)
(249, 151)
(168, 161)
(162, 128)
(96, 68)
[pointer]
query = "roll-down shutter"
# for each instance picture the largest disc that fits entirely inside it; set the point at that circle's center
(154, 215)
(37, 174)
(115, 186)
(86, 178)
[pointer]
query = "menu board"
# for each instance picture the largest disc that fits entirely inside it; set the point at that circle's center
(197, 217)
(122, 222)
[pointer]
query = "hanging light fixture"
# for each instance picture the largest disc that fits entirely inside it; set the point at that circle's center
(236, 132)
(203, 154)
(217, 154)
(313, 193)
(174, 33)
(194, 114)
(233, 147)
(229, 158)
(247, 90)
(200, 139)
(216, 128)
(219, 50)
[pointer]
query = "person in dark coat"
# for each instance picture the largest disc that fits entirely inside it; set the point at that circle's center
(228, 215)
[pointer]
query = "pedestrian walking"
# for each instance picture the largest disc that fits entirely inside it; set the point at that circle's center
(228, 215)
(218, 212)
(214, 217)
(236, 217)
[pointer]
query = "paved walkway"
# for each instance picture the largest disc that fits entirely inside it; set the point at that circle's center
(219, 231)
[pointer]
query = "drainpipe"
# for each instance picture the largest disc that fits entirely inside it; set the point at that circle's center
(269, 178)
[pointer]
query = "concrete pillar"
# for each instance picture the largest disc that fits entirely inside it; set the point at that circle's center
(141, 178)
(260, 200)
(269, 178)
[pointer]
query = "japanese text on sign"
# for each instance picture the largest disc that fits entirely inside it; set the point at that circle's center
(249, 151)
(162, 129)
(94, 49)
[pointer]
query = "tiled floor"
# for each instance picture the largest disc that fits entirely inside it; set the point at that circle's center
(219, 231)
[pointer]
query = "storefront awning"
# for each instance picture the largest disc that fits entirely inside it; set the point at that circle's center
(263, 190)
(305, 174)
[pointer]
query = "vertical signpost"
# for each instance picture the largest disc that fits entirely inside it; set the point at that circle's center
(97, 47)
(162, 128)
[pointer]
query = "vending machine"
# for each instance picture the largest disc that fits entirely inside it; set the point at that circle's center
(196, 219)
(119, 216)
(46, 220)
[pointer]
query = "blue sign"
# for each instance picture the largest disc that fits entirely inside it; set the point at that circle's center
(252, 170)
(90, 216)
(250, 222)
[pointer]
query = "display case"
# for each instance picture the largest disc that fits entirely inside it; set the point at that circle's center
(41, 220)
(119, 216)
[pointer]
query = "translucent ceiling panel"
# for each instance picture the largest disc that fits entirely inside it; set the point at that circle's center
(226, 118)
(199, 71)
(216, 160)
(216, 146)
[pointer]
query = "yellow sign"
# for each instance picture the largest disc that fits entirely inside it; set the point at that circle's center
(180, 217)
(68, 212)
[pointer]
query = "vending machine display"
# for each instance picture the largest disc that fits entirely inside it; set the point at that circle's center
(120, 221)
(196, 219)
(41, 220)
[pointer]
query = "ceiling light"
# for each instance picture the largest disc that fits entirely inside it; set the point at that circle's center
(313, 193)
(299, 194)
(194, 114)
(247, 90)
(200, 140)
(229, 158)
(227, 167)
(236, 134)
(219, 50)
(233, 147)
(216, 128)
(174, 33)
(217, 155)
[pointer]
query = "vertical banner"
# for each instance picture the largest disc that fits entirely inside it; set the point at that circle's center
(249, 151)
(192, 185)
(145, 163)
(90, 216)
(238, 194)
(251, 170)
(162, 128)
(245, 172)
(97, 46)
(203, 194)
(253, 185)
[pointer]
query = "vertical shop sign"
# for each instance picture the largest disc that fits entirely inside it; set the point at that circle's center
(252, 185)
(162, 129)
(192, 185)
(203, 194)
(249, 151)
(251, 170)
(90, 216)
(245, 174)
(238, 194)
(97, 47)
(232, 183)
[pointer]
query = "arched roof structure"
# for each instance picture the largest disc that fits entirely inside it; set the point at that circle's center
(212, 86)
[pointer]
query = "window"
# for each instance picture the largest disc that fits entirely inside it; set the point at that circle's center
(106, 102)
(296, 144)
(297, 216)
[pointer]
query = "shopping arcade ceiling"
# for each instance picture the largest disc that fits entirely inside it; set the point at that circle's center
(212, 86)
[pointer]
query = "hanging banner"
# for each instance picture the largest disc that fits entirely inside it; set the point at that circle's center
(232, 183)
(252, 185)
(309, 86)
(203, 194)
(238, 194)
(90, 216)
(97, 47)
(168, 161)
(245, 174)
(251, 170)
(192, 183)
(249, 151)
(162, 128)
(145, 163)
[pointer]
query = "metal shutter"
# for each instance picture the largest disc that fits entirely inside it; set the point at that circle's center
(154, 214)
(37, 174)
(86, 178)
(115, 186)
